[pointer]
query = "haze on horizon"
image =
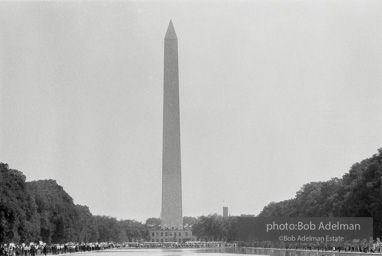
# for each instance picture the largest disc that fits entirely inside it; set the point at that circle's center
(273, 95)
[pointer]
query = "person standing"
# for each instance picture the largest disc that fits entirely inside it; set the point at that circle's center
(33, 250)
(45, 250)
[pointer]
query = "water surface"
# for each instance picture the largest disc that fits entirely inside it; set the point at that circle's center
(161, 252)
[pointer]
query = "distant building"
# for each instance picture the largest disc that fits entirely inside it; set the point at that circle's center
(225, 212)
(163, 236)
(247, 215)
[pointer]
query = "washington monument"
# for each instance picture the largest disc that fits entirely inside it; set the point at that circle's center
(171, 214)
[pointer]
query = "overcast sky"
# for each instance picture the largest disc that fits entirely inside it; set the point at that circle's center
(273, 95)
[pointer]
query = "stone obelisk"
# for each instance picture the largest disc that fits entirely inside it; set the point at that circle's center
(171, 214)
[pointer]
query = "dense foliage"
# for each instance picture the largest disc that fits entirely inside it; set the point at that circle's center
(18, 210)
(42, 210)
(215, 228)
(357, 194)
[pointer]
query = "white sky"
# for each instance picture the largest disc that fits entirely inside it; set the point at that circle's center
(273, 95)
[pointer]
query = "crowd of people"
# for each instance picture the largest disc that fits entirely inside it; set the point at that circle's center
(369, 248)
(33, 249)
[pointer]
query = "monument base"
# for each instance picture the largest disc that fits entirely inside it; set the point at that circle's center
(171, 235)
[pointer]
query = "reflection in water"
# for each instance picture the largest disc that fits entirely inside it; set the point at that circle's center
(168, 252)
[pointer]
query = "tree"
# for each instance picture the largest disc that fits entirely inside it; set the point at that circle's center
(153, 223)
(58, 214)
(188, 222)
(86, 225)
(215, 228)
(17, 208)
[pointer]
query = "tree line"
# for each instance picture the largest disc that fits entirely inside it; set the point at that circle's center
(357, 194)
(43, 211)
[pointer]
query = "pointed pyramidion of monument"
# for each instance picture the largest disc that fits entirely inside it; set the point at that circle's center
(170, 34)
